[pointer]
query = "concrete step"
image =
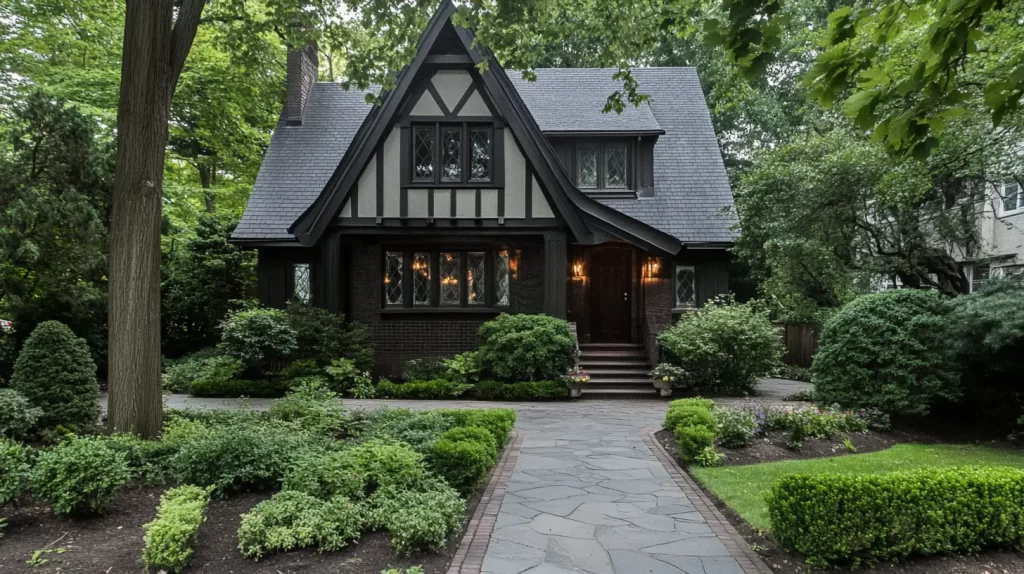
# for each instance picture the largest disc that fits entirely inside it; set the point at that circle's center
(602, 393)
(611, 373)
(613, 363)
(620, 382)
(611, 347)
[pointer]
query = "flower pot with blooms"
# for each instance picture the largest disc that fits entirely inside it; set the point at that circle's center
(576, 380)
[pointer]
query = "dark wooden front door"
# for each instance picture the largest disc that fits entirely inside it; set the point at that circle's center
(610, 293)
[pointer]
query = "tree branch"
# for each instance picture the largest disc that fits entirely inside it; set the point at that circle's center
(184, 32)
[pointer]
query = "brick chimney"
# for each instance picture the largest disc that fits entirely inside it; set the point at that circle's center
(302, 69)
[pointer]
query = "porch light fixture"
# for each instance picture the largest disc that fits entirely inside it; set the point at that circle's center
(577, 270)
(652, 267)
(513, 261)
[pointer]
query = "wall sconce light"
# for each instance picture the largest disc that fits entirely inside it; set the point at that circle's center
(577, 269)
(513, 263)
(652, 267)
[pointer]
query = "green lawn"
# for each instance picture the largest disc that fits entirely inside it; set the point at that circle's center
(743, 487)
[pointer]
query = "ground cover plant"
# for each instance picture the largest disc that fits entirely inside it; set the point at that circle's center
(170, 535)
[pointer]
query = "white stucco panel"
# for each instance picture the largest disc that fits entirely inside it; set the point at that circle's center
(475, 106)
(426, 106)
(392, 175)
(367, 190)
(451, 85)
(515, 178)
(541, 207)
(442, 203)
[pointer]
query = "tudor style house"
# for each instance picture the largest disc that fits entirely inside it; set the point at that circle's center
(463, 195)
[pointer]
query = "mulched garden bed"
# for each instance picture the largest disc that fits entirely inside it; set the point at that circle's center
(782, 562)
(112, 543)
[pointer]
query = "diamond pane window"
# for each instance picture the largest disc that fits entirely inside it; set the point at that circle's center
(480, 162)
(451, 148)
(586, 165)
(393, 267)
(685, 287)
(300, 274)
(501, 279)
(451, 293)
(615, 166)
(421, 279)
(423, 153)
(476, 278)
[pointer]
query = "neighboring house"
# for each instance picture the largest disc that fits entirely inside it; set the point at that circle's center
(1000, 252)
(464, 195)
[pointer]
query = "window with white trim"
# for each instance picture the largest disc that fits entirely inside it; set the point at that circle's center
(301, 290)
(686, 287)
(1013, 198)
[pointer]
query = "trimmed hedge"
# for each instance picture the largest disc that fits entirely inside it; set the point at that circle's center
(436, 389)
(693, 440)
(169, 537)
(838, 518)
(498, 421)
(688, 416)
(526, 391)
(462, 456)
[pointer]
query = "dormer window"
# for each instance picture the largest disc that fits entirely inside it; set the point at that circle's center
(602, 165)
(455, 153)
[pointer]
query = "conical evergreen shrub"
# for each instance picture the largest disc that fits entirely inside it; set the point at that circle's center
(55, 372)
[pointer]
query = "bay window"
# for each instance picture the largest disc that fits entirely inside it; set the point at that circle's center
(447, 279)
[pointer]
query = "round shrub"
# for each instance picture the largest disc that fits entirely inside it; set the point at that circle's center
(56, 373)
(888, 351)
(724, 347)
(517, 348)
(688, 415)
(693, 402)
(388, 464)
(475, 434)
(418, 520)
(498, 422)
(80, 476)
(256, 336)
(291, 520)
(692, 440)
(15, 469)
(462, 463)
(323, 335)
(18, 417)
(328, 474)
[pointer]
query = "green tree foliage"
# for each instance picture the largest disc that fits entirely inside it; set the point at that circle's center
(203, 275)
(55, 175)
(55, 373)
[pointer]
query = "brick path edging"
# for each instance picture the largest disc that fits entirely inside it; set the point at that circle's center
(748, 560)
(469, 558)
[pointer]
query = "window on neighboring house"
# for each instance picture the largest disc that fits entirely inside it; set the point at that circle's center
(447, 279)
(464, 154)
(1013, 197)
(686, 287)
(300, 282)
(602, 165)
(977, 276)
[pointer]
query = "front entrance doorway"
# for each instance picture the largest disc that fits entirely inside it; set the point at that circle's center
(610, 292)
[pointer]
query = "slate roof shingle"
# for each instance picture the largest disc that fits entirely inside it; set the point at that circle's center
(692, 199)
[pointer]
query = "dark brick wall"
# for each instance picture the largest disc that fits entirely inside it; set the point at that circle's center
(302, 69)
(401, 337)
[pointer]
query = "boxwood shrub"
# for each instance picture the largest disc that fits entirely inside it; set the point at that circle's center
(516, 348)
(498, 421)
(463, 456)
(80, 476)
(436, 389)
(693, 440)
(888, 351)
(168, 538)
(15, 470)
(492, 390)
(847, 518)
(687, 416)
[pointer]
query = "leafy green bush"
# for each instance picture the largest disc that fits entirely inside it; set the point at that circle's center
(387, 464)
(419, 429)
(516, 348)
(80, 476)
(168, 539)
(736, 428)
(692, 440)
(888, 351)
(436, 389)
(499, 422)
(323, 335)
(688, 415)
(291, 520)
(301, 369)
(18, 417)
(987, 334)
(271, 388)
(839, 518)
(15, 469)
(425, 369)
(257, 336)
(237, 457)
(417, 520)
(313, 406)
(525, 391)
(463, 456)
(795, 373)
(179, 373)
(693, 402)
(328, 474)
(463, 368)
(147, 459)
(724, 347)
(56, 373)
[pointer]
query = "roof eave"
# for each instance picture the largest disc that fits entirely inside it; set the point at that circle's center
(603, 133)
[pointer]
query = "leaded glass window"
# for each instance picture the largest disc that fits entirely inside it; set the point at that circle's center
(615, 165)
(685, 287)
(586, 165)
(300, 276)
(451, 147)
(393, 271)
(476, 278)
(501, 279)
(421, 279)
(451, 290)
(480, 160)
(423, 153)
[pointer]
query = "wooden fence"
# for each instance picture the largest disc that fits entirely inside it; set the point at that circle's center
(801, 343)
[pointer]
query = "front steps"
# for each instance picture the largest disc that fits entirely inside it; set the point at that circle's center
(617, 370)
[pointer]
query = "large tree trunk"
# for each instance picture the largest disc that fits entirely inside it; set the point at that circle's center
(153, 52)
